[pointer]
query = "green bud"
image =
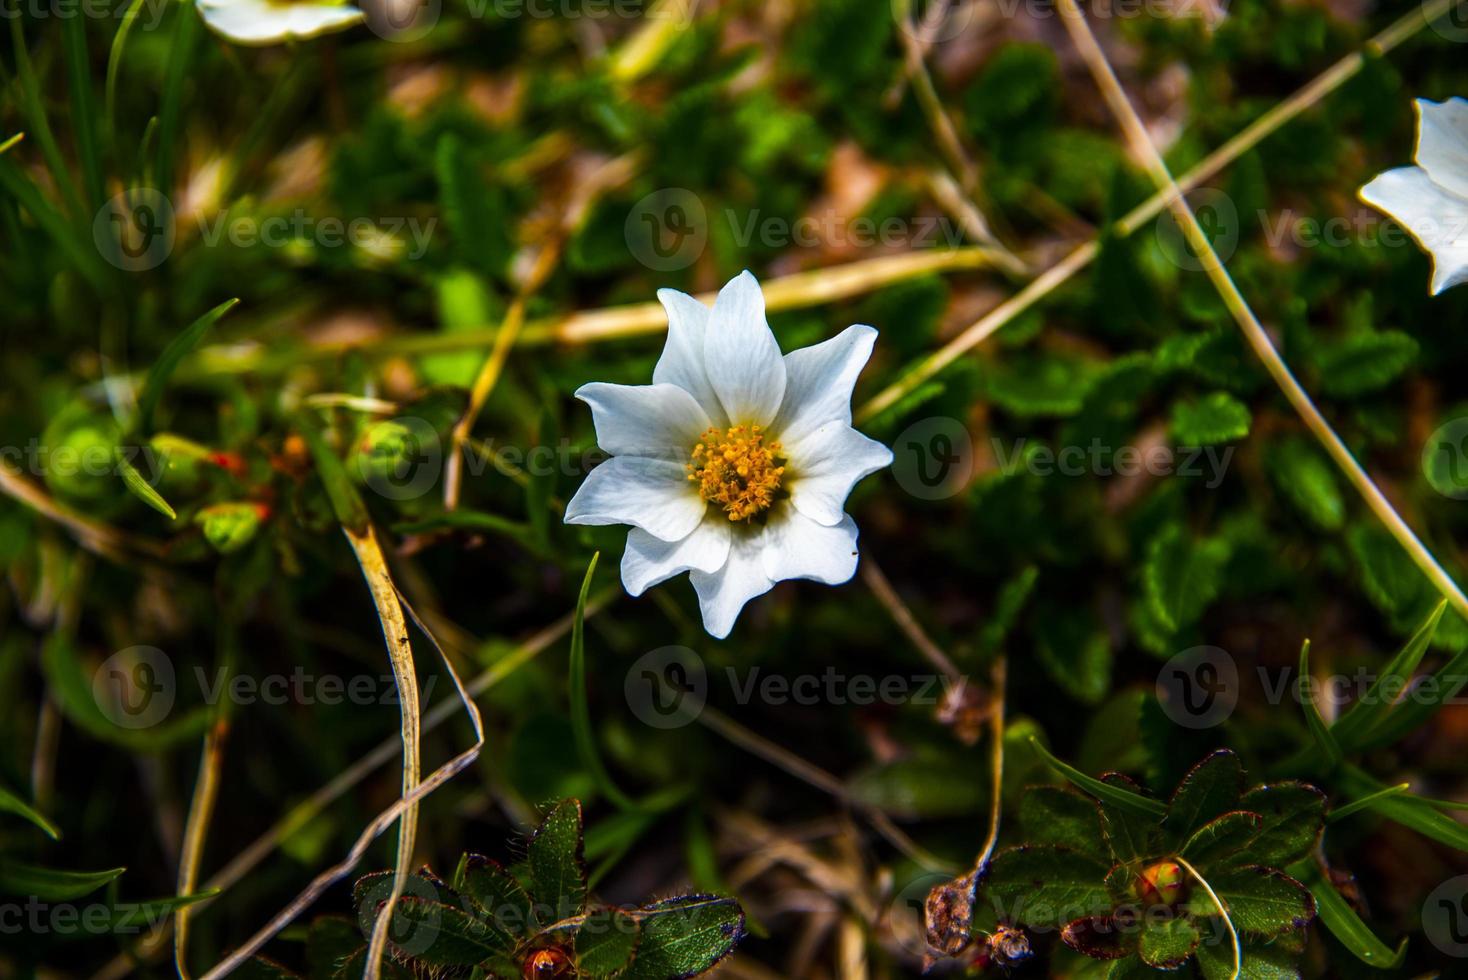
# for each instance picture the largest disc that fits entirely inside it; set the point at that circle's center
(229, 527)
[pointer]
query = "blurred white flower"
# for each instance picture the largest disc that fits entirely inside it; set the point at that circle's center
(1431, 199)
(273, 21)
(735, 463)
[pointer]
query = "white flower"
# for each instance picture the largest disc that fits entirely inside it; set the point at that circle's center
(1431, 199)
(735, 463)
(273, 21)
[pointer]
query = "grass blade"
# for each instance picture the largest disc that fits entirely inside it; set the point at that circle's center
(1343, 922)
(580, 712)
(1372, 709)
(10, 803)
(1323, 736)
(176, 350)
(1114, 795)
(84, 117)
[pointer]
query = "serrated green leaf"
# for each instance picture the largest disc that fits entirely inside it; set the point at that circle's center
(1182, 576)
(1308, 481)
(1167, 943)
(1294, 815)
(1051, 815)
(1076, 651)
(1131, 836)
(1365, 362)
(439, 934)
(557, 866)
(1213, 419)
(606, 942)
(685, 936)
(50, 884)
(1044, 886)
(1217, 963)
(1211, 789)
(1223, 841)
(496, 896)
(1260, 901)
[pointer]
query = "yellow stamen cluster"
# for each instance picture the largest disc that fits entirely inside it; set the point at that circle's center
(737, 471)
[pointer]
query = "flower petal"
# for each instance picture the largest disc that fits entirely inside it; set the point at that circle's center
(1436, 218)
(1442, 143)
(262, 22)
(661, 421)
(798, 547)
(741, 356)
(826, 465)
(652, 494)
(648, 561)
(819, 381)
(681, 362)
(722, 594)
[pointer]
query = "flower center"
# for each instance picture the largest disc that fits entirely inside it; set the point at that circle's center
(737, 470)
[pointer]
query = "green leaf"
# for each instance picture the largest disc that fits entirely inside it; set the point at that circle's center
(439, 934)
(1411, 811)
(919, 787)
(1131, 836)
(1182, 576)
(1043, 886)
(332, 939)
(606, 942)
(1392, 582)
(1365, 362)
(1007, 606)
(139, 485)
(1356, 725)
(497, 897)
(685, 936)
(1123, 799)
(1076, 652)
(49, 884)
(346, 503)
(1220, 840)
(1211, 789)
(557, 865)
(1337, 915)
(10, 803)
(1323, 737)
(1217, 963)
(1308, 480)
(175, 352)
(1051, 815)
(1213, 419)
(1260, 901)
(1294, 815)
(1166, 944)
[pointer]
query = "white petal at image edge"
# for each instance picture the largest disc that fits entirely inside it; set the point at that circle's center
(1442, 143)
(741, 356)
(260, 22)
(1436, 218)
(649, 561)
(798, 547)
(660, 420)
(653, 494)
